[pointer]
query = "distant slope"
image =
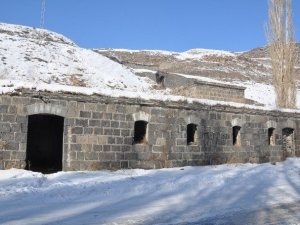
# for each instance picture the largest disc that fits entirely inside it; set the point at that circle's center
(222, 65)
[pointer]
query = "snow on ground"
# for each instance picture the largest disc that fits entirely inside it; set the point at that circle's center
(143, 71)
(165, 196)
(200, 78)
(263, 93)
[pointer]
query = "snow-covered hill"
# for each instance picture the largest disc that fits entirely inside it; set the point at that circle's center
(221, 65)
(249, 69)
(252, 65)
(45, 60)
(225, 194)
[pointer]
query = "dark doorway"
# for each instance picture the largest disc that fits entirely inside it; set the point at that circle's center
(44, 143)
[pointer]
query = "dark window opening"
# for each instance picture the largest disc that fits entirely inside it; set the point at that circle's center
(191, 133)
(140, 131)
(271, 136)
(236, 136)
(44, 143)
(288, 142)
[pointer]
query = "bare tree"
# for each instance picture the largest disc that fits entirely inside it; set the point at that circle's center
(282, 51)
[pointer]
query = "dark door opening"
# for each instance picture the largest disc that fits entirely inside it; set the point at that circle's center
(44, 143)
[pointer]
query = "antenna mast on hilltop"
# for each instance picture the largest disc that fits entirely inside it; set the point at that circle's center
(43, 10)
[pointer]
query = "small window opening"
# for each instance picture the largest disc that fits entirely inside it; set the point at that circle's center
(140, 131)
(236, 135)
(271, 136)
(191, 133)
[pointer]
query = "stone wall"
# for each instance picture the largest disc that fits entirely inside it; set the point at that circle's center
(223, 92)
(98, 132)
(214, 91)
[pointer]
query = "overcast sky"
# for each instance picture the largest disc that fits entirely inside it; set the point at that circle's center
(175, 25)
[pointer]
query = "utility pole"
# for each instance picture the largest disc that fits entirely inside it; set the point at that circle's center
(43, 10)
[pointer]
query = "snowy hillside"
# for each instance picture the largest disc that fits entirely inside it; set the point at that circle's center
(225, 194)
(45, 60)
(249, 69)
(223, 65)
(217, 64)
(190, 54)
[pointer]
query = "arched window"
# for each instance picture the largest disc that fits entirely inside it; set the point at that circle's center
(191, 133)
(140, 132)
(236, 136)
(271, 136)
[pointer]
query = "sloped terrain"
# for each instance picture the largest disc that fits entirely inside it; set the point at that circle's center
(253, 65)
(249, 69)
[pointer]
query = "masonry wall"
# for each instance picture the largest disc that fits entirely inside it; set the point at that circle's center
(214, 91)
(98, 132)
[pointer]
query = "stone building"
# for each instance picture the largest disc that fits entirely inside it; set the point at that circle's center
(50, 132)
(56, 113)
(214, 91)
